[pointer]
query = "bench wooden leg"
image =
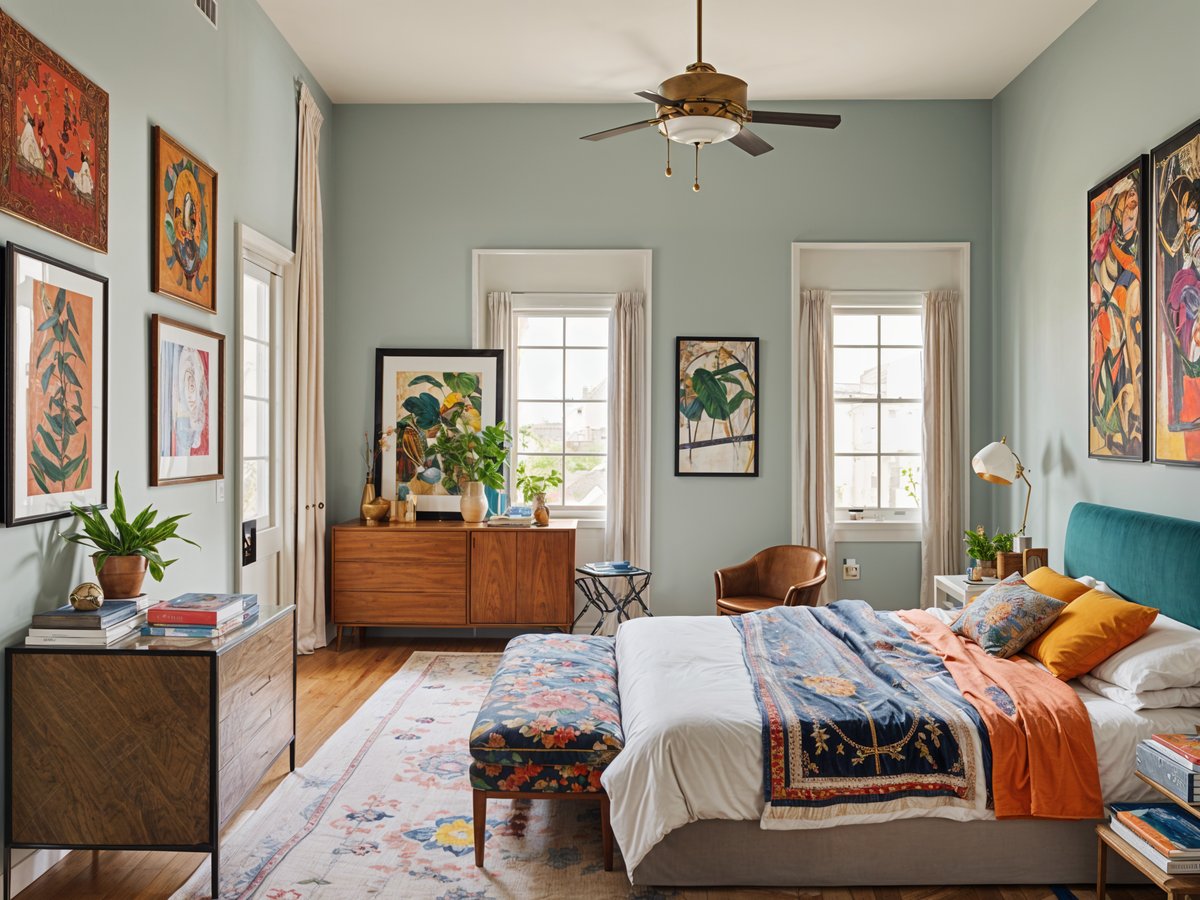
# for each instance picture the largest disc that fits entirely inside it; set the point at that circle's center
(606, 830)
(479, 819)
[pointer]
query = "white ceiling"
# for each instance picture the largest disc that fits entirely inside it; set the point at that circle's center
(542, 51)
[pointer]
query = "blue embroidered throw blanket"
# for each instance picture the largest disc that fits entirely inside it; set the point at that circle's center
(860, 718)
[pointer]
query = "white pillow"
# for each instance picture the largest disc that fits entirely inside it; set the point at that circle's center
(1166, 656)
(1170, 698)
(1089, 581)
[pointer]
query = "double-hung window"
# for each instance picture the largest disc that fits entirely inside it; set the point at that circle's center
(877, 409)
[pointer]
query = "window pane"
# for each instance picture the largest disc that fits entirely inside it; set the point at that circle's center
(855, 329)
(256, 428)
(256, 369)
(587, 427)
(901, 424)
(854, 481)
(901, 374)
(587, 374)
(901, 330)
(855, 373)
(256, 490)
(855, 427)
(901, 474)
(540, 374)
(539, 428)
(587, 331)
(255, 308)
(540, 330)
(587, 480)
(540, 465)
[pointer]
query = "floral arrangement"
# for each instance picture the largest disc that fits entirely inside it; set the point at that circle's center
(373, 449)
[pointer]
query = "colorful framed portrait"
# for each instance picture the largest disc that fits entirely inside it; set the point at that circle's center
(716, 406)
(1118, 383)
(1176, 184)
(421, 393)
(185, 225)
(53, 141)
(187, 403)
(56, 387)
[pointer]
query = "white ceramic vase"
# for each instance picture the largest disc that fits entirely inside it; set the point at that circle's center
(473, 503)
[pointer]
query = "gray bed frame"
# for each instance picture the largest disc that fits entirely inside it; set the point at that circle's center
(940, 851)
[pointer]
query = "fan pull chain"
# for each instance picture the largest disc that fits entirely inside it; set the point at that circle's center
(696, 183)
(668, 157)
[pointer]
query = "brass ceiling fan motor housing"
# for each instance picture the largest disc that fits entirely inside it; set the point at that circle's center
(703, 91)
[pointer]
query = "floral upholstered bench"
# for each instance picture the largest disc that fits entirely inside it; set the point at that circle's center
(549, 726)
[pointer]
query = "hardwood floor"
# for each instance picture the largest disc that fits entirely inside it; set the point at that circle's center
(330, 687)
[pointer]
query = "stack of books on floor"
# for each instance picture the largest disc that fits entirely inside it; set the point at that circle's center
(201, 615)
(1173, 761)
(70, 627)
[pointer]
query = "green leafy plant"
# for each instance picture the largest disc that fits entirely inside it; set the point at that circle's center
(468, 454)
(140, 537)
(56, 458)
(984, 548)
(531, 484)
(910, 483)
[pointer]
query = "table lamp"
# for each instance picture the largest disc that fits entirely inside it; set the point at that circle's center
(998, 464)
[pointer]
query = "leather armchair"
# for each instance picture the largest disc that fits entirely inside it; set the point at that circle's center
(786, 575)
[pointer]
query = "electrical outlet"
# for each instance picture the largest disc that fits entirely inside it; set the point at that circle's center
(850, 570)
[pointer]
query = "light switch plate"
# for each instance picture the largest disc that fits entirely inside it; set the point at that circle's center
(220, 491)
(851, 572)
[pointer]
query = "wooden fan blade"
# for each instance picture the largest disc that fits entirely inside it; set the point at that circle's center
(624, 129)
(808, 120)
(750, 142)
(656, 98)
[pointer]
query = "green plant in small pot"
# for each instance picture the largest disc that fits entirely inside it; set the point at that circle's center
(125, 550)
(983, 549)
(474, 459)
(534, 487)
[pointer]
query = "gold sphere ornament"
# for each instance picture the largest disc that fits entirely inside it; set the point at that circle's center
(87, 596)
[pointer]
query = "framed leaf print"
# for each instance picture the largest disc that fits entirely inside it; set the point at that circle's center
(1117, 321)
(53, 140)
(187, 403)
(716, 406)
(185, 225)
(420, 393)
(56, 387)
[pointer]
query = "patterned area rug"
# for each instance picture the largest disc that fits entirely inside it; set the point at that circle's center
(384, 809)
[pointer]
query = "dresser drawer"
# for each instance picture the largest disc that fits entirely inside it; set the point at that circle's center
(392, 608)
(256, 686)
(242, 773)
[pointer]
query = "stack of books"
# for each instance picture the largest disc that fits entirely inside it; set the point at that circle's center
(1173, 761)
(510, 521)
(70, 627)
(616, 567)
(200, 615)
(1162, 832)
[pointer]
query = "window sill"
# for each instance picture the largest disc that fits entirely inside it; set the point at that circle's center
(869, 531)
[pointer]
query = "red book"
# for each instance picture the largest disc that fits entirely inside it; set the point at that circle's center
(199, 609)
(1186, 746)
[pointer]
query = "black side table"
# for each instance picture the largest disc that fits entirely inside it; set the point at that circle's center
(614, 600)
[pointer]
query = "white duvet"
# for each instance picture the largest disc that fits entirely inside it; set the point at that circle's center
(693, 736)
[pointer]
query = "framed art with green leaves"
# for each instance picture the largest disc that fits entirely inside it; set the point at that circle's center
(716, 406)
(56, 387)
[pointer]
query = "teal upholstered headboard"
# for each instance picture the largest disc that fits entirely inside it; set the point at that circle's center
(1150, 559)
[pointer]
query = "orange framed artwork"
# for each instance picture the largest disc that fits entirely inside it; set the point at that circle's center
(185, 224)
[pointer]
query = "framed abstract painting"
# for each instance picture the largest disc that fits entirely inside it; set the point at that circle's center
(716, 406)
(1176, 184)
(184, 225)
(53, 141)
(187, 403)
(421, 393)
(56, 388)
(1117, 320)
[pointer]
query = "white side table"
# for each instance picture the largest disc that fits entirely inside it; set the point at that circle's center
(953, 591)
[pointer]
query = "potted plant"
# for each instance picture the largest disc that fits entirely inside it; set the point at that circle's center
(533, 488)
(473, 459)
(125, 550)
(983, 549)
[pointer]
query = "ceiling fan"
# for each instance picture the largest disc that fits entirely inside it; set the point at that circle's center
(702, 106)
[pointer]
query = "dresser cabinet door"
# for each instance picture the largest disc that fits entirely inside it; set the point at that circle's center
(545, 563)
(493, 577)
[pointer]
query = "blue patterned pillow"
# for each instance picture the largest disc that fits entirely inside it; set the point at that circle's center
(1007, 616)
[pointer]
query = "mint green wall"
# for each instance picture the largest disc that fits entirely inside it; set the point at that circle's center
(1113, 86)
(229, 95)
(416, 188)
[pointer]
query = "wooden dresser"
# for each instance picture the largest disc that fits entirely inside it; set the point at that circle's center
(150, 743)
(452, 575)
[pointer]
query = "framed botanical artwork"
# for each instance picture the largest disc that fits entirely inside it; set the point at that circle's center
(1118, 383)
(1176, 184)
(716, 406)
(421, 393)
(53, 140)
(56, 387)
(187, 403)
(184, 225)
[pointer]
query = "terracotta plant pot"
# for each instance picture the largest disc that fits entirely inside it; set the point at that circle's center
(473, 504)
(121, 577)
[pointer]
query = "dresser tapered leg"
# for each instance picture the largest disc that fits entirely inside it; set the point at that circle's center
(479, 812)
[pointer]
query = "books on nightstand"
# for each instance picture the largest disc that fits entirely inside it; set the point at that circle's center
(1162, 765)
(1162, 832)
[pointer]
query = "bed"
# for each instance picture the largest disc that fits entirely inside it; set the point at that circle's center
(687, 792)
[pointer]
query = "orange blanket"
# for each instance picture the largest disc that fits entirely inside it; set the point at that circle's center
(1043, 755)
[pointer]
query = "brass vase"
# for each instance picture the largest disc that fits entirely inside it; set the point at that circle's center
(373, 508)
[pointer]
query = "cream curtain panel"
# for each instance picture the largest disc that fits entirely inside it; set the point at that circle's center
(498, 334)
(941, 447)
(310, 378)
(812, 428)
(627, 528)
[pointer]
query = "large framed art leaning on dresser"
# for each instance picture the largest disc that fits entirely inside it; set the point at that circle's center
(448, 574)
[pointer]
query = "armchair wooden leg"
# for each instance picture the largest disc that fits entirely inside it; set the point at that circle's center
(606, 829)
(479, 820)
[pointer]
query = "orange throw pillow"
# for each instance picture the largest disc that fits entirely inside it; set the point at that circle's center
(1046, 581)
(1091, 629)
